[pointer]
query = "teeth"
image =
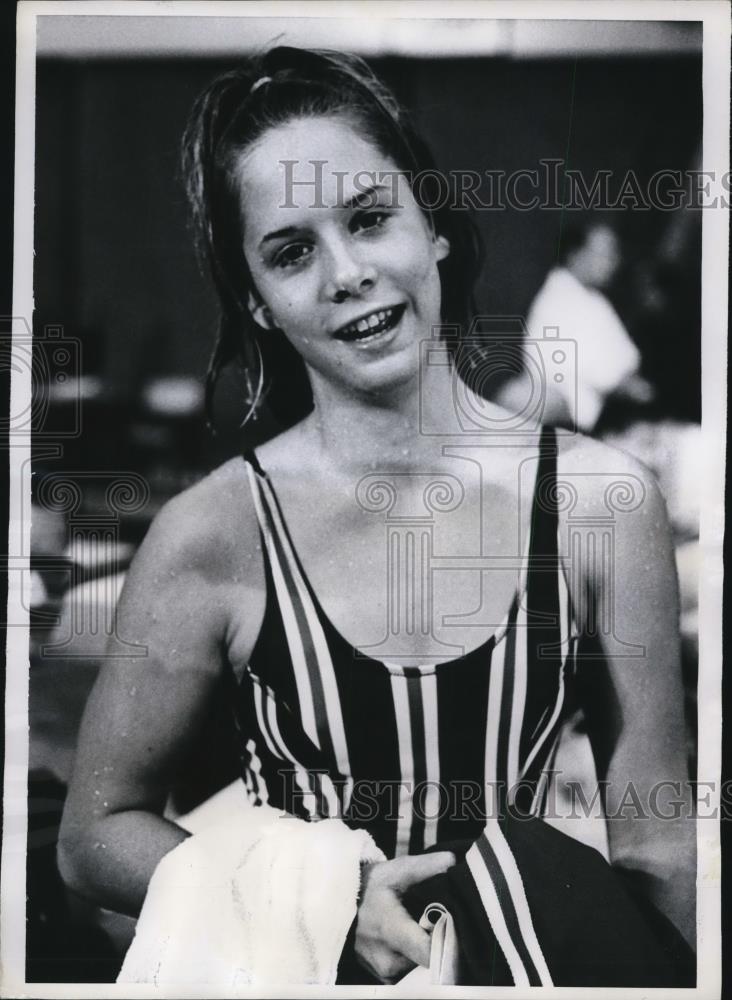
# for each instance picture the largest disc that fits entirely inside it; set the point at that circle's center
(369, 322)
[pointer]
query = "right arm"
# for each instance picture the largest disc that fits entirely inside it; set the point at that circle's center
(145, 712)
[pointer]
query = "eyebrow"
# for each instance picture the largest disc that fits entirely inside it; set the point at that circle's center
(357, 200)
(365, 196)
(279, 234)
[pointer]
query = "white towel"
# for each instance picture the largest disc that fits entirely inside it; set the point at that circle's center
(262, 899)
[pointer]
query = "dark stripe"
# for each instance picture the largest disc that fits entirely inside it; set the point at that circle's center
(244, 718)
(540, 761)
(270, 660)
(462, 706)
(543, 632)
(271, 764)
(251, 456)
(254, 779)
(497, 877)
(320, 804)
(419, 761)
(542, 583)
(541, 806)
(316, 783)
(504, 722)
(311, 659)
(548, 709)
(371, 730)
(255, 783)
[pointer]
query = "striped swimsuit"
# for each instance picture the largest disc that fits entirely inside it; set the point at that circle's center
(458, 755)
(414, 754)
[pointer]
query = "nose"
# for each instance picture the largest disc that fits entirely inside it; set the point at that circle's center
(348, 274)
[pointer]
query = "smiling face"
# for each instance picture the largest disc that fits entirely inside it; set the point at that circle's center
(347, 271)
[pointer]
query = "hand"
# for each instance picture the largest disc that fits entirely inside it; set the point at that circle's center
(388, 942)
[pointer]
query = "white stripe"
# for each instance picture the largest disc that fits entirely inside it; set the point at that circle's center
(564, 630)
(292, 633)
(280, 749)
(564, 641)
(431, 801)
(543, 781)
(265, 704)
(492, 907)
(249, 783)
(506, 860)
(534, 810)
(565, 650)
(541, 739)
(302, 776)
(263, 728)
(322, 652)
(406, 764)
(518, 701)
(256, 777)
(327, 789)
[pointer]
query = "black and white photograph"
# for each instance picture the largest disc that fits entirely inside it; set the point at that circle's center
(367, 456)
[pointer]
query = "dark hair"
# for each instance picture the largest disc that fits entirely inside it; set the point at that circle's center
(235, 110)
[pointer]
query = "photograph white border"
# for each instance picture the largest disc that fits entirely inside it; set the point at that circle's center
(715, 15)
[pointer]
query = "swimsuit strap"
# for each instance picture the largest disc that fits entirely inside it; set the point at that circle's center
(250, 456)
(545, 505)
(317, 690)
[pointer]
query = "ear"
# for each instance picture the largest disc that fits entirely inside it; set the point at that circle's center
(260, 312)
(442, 247)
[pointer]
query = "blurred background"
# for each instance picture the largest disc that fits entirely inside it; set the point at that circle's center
(124, 321)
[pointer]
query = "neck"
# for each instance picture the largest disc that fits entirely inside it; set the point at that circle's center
(357, 431)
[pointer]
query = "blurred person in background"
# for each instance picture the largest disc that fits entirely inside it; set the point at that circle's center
(573, 299)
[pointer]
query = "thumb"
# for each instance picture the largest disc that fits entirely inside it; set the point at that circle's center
(418, 867)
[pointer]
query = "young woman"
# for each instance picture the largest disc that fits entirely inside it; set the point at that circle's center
(389, 589)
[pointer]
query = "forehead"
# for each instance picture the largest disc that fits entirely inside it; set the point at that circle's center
(310, 164)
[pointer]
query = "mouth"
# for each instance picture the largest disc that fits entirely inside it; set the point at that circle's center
(371, 326)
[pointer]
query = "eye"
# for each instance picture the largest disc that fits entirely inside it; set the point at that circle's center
(292, 254)
(367, 221)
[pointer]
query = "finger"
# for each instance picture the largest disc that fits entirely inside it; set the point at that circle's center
(393, 966)
(386, 965)
(408, 870)
(408, 938)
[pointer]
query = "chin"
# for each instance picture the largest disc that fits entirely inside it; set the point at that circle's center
(389, 374)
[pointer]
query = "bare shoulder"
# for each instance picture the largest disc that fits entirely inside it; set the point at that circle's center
(209, 527)
(201, 546)
(611, 496)
(197, 582)
(600, 480)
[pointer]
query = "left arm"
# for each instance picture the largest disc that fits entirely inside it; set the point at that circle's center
(634, 703)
